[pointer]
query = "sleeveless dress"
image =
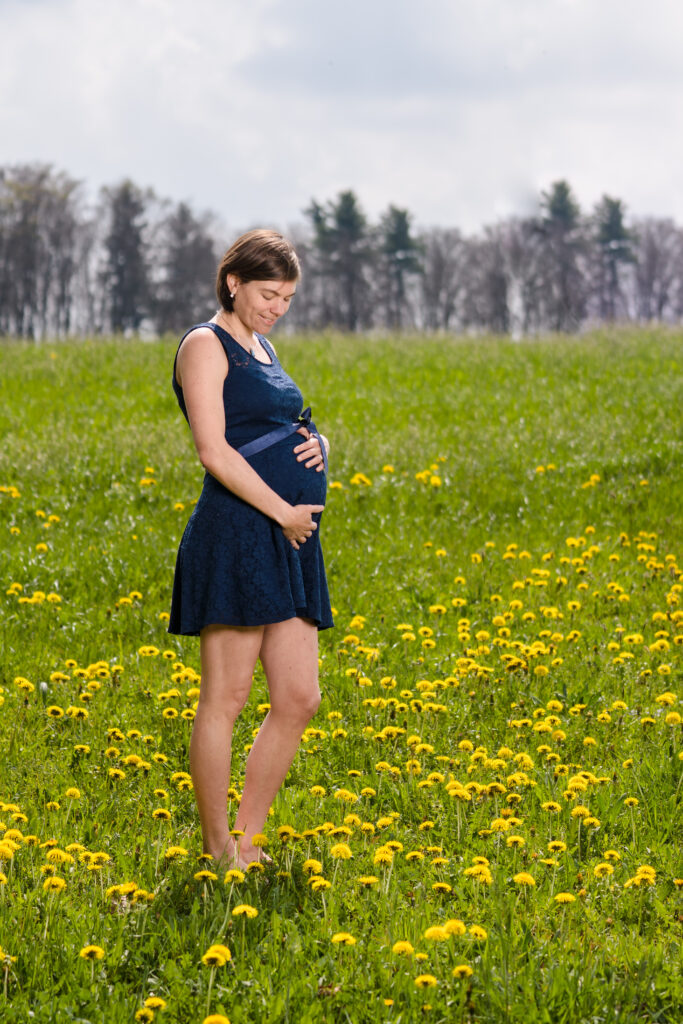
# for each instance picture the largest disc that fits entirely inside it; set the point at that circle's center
(235, 566)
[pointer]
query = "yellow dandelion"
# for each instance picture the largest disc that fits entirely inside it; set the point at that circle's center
(217, 956)
(341, 851)
(175, 852)
(92, 953)
(441, 887)
(54, 884)
(234, 875)
(244, 910)
(425, 981)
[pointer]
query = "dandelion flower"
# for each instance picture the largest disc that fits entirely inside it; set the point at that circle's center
(54, 884)
(216, 956)
(318, 884)
(343, 938)
(514, 841)
(437, 933)
(402, 948)
(524, 878)
(565, 897)
(174, 852)
(244, 909)
(92, 953)
(425, 981)
(462, 971)
(312, 866)
(234, 875)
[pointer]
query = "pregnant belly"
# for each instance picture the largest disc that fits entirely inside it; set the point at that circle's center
(279, 467)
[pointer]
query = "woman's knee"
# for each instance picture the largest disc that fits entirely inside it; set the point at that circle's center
(227, 704)
(312, 702)
(300, 704)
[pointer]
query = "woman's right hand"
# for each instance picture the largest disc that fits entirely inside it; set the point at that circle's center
(299, 523)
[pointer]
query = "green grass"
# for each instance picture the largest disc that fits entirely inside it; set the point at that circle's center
(528, 531)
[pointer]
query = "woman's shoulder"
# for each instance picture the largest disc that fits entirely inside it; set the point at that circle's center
(201, 343)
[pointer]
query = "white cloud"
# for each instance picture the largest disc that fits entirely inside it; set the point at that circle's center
(459, 110)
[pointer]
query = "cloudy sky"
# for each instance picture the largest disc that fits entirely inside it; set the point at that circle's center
(460, 110)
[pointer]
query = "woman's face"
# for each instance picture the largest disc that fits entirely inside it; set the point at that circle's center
(259, 304)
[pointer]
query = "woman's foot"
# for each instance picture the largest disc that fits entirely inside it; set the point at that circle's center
(225, 858)
(248, 854)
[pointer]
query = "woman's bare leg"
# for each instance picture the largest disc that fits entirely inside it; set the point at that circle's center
(228, 658)
(289, 655)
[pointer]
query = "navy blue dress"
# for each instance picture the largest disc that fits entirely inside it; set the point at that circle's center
(235, 566)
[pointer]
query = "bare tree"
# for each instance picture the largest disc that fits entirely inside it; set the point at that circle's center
(658, 273)
(133, 262)
(185, 269)
(442, 282)
(38, 223)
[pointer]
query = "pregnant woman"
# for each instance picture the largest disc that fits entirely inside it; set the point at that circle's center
(249, 579)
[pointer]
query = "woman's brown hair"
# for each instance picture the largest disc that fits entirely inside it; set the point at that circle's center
(260, 255)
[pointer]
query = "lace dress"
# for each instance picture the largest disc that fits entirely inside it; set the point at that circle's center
(235, 566)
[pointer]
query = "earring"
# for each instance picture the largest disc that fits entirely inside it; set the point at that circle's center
(232, 295)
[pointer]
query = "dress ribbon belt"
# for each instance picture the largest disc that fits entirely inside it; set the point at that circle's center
(273, 436)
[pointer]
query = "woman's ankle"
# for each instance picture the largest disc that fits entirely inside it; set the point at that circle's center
(219, 850)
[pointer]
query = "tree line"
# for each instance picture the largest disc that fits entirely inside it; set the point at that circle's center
(130, 261)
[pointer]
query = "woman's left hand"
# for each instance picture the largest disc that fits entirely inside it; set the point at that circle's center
(309, 450)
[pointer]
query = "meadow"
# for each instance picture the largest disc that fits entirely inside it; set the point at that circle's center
(483, 823)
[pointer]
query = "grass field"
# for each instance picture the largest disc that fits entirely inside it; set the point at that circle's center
(484, 821)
